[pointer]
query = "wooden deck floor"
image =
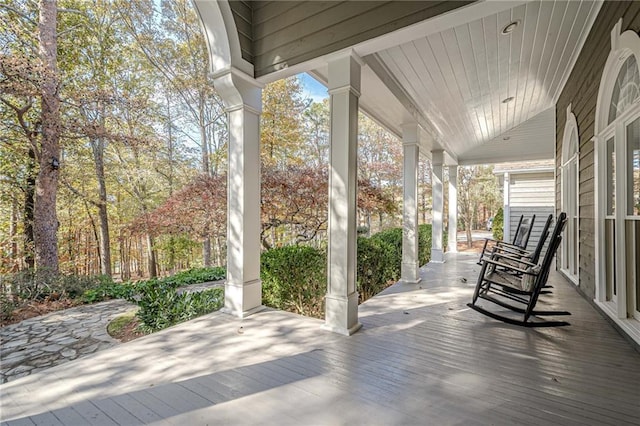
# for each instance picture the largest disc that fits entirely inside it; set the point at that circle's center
(422, 357)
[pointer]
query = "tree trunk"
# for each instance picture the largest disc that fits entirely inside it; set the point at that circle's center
(45, 219)
(125, 255)
(206, 252)
(206, 168)
(105, 244)
(13, 235)
(468, 229)
(153, 267)
(29, 201)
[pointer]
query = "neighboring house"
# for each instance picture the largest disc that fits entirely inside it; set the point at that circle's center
(528, 189)
(461, 83)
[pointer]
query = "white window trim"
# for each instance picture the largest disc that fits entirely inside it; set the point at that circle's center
(571, 126)
(622, 46)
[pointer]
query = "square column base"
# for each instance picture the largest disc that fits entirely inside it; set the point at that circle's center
(410, 273)
(437, 256)
(243, 299)
(341, 314)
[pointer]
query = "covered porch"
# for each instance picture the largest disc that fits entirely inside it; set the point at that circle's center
(421, 357)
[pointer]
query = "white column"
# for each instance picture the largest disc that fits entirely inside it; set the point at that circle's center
(506, 210)
(437, 252)
(241, 95)
(410, 271)
(341, 315)
(452, 233)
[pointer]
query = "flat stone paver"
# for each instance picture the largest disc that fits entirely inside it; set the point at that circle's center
(57, 337)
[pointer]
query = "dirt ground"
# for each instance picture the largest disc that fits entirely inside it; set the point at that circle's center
(37, 308)
(475, 248)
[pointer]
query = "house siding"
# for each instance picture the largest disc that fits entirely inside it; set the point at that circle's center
(581, 90)
(243, 17)
(286, 33)
(529, 194)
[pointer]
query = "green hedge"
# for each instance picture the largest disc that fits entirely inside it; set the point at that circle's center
(110, 290)
(161, 305)
(392, 237)
(294, 278)
(425, 241)
(498, 225)
(378, 266)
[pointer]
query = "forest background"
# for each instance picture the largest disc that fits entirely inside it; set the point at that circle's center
(113, 152)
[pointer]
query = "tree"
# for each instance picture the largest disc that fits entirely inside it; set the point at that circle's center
(172, 41)
(45, 221)
(477, 189)
(315, 122)
(21, 74)
(380, 164)
(281, 130)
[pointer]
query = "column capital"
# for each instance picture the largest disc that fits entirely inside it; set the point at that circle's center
(238, 90)
(437, 157)
(410, 134)
(344, 74)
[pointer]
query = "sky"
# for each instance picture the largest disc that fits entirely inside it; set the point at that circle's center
(312, 88)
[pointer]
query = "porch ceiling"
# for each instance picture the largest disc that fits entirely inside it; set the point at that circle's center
(454, 80)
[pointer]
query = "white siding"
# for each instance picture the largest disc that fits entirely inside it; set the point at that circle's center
(532, 190)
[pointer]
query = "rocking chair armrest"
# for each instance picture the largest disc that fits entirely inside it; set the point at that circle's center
(512, 251)
(511, 267)
(496, 252)
(509, 246)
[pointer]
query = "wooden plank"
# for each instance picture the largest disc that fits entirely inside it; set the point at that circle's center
(539, 95)
(116, 412)
(46, 418)
(516, 71)
(542, 26)
(571, 45)
(350, 26)
(441, 68)
(503, 61)
(267, 10)
(134, 407)
(478, 47)
(155, 405)
(178, 397)
(68, 416)
(529, 25)
(287, 16)
(25, 421)
(92, 414)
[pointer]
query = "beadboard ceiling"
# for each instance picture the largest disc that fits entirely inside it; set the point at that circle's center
(456, 81)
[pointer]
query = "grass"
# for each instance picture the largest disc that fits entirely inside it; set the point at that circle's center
(125, 327)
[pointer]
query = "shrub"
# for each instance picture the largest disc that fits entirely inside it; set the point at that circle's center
(195, 276)
(424, 244)
(498, 225)
(377, 266)
(7, 306)
(392, 237)
(109, 290)
(161, 306)
(42, 283)
(294, 279)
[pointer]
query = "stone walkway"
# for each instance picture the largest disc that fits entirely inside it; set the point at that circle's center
(58, 337)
